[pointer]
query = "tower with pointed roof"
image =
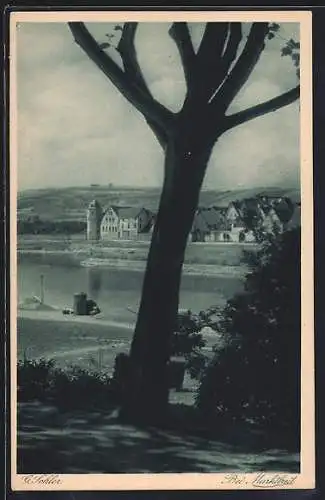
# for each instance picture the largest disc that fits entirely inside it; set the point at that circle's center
(94, 216)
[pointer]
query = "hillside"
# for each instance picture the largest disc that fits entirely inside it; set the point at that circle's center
(72, 202)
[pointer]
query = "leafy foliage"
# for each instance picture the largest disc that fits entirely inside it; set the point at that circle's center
(187, 336)
(73, 388)
(273, 29)
(187, 341)
(256, 374)
(292, 49)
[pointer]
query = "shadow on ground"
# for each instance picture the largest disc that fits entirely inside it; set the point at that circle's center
(97, 442)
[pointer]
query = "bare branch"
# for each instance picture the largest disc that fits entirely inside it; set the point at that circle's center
(243, 67)
(230, 54)
(181, 36)
(262, 109)
(152, 110)
(127, 51)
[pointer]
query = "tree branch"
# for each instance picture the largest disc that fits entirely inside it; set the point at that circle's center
(132, 70)
(209, 71)
(181, 36)
(213, 42)
(152, 110)
(126, 49)
(159, 132)
(262, 109)
(243, 67)
(230, 54)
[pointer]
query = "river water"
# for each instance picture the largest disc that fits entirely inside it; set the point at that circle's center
(94, 342)
(116, 291)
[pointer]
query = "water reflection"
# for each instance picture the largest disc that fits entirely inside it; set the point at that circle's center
(94, 281)
(115, 291)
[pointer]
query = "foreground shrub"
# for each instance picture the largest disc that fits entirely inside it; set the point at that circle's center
(188, 342)
(256, 375)
(41, 380)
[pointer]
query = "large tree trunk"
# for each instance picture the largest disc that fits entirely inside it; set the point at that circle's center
(186, 162)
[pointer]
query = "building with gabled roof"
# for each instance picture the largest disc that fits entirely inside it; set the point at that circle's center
(238, 222)
(117, 222)
(208, 224)
(277, 214)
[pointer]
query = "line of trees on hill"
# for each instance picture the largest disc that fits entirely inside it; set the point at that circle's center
(39, 226)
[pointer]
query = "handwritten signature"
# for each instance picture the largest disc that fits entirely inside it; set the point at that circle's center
(273, 480)
(42, 479)
(262, 480)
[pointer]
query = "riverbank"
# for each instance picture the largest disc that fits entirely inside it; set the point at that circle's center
(122, 261)
(71, 340)
(57, 316)
(208, 253)
(91, 343)
(99, 320)
(101, 329)
(189, 269)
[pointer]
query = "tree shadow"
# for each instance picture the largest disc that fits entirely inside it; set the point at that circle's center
(93, 442)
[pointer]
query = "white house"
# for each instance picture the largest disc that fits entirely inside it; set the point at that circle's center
(125, 223)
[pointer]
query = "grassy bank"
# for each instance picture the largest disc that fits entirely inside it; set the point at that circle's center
(88, 344)
(217, 254)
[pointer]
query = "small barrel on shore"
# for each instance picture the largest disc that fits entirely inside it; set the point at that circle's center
(80, 304)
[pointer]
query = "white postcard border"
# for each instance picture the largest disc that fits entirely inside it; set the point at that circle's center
(185, 481)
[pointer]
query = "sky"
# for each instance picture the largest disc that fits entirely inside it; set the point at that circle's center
(74, 128)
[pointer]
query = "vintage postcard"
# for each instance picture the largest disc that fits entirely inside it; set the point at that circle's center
(161, 176)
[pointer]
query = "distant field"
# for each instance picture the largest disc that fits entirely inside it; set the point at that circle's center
(71, 203)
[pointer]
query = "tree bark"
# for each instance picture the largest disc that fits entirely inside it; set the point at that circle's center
(186, 162)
